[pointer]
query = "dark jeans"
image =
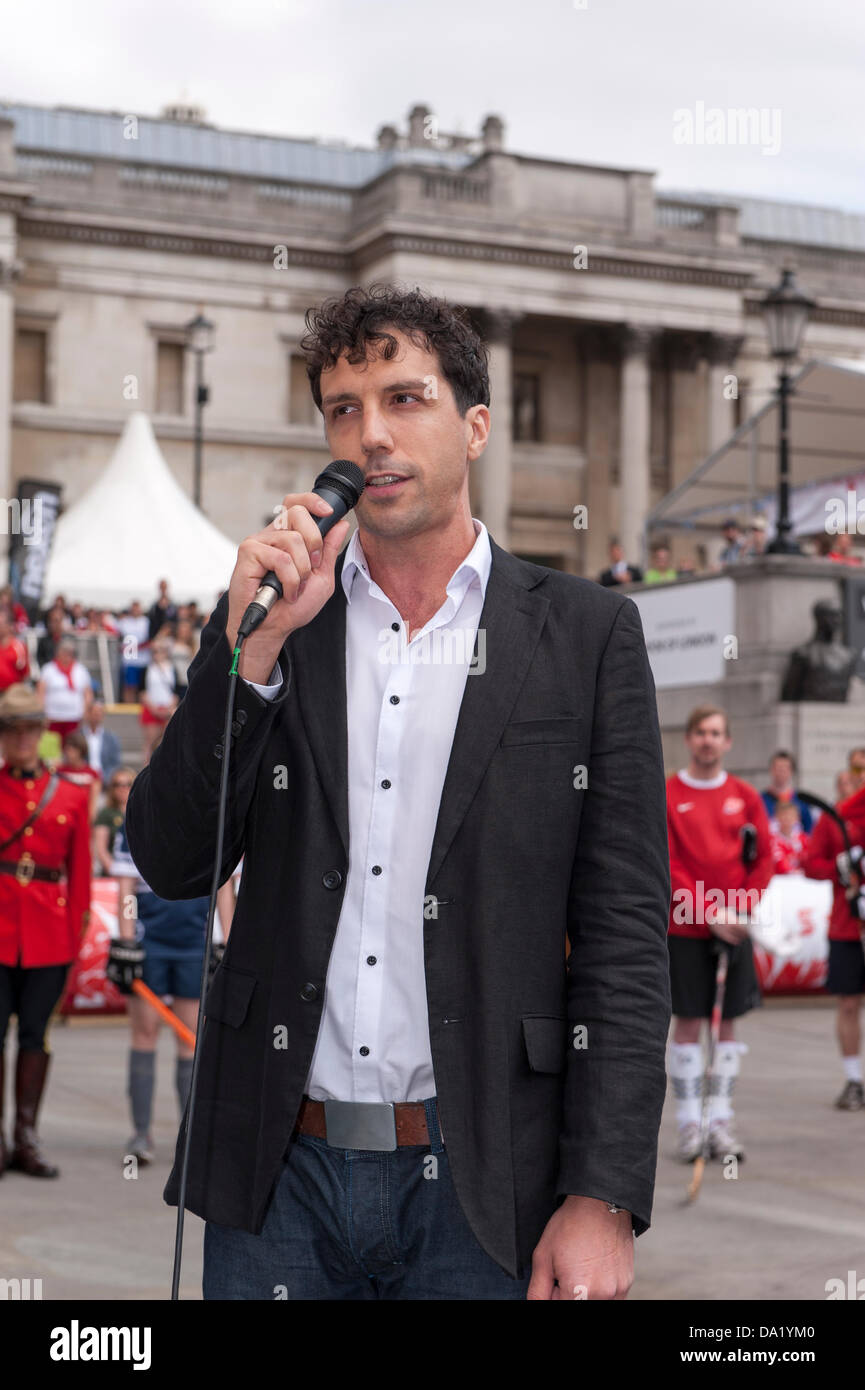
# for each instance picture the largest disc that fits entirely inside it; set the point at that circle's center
(353, 1224)
(31, 994)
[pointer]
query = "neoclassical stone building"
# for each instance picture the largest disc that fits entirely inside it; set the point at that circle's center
(613, 311)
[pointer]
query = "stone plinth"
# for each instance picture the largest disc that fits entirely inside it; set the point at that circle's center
(774, 597)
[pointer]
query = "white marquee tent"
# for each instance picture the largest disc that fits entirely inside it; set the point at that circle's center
(133, 527)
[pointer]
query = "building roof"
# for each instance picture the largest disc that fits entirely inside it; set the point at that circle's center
(99, 135)
(768, 220)
(82, 134)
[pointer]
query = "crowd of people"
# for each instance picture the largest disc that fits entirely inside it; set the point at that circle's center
(740, 545)
(155, 649)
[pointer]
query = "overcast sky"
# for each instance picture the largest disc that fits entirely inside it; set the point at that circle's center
(599, 84)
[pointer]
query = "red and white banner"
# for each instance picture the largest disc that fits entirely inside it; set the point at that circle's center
(791, 938)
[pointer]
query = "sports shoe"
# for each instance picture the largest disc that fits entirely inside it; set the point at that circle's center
(852, 1097)
(722, 1140)
(688, 1142)
(140, 1147)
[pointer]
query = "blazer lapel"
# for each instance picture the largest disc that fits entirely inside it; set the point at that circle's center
(318, 671)
(512, 619)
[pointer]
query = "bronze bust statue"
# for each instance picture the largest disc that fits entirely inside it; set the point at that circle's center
(821, 669)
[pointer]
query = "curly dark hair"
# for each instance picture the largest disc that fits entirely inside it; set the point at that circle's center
(350, 323)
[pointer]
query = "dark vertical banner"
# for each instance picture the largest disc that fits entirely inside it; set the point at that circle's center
(30, 524)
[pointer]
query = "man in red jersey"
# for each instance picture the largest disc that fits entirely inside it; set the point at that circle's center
(713, 894)
(846, 977)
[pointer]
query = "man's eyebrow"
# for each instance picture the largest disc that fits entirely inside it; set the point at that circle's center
(419, 385)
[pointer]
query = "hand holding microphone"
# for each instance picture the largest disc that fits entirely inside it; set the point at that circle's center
(287, 570)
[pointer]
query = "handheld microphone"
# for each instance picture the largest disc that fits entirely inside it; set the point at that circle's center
(340, 484)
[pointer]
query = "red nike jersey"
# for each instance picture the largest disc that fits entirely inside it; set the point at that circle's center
(704, 825)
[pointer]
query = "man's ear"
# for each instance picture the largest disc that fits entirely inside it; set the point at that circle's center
(477, 419)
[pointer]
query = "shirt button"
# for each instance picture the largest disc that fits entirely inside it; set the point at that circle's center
(29, 830)
(308, 993)
(332, 879)
(370, 960)
(395, 627)
(217, 750)
(30, 785)
(386, 783)
(394, 699)
(31, 805)
(61, 820)
(61, 902)
(364, 1051)
(235, 727)
(376, 868)
(242, 716)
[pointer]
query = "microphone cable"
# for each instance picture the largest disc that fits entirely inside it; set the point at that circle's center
(341, 484)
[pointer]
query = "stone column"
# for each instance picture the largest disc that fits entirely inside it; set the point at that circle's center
(9, 271)
(634, 419)
(496, 465)
(720, 351)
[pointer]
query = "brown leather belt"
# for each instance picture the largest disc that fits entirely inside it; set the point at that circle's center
(26, 869)
(409, 1118)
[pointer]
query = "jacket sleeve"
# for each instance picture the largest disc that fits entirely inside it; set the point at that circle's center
(171, 815)
(618, 970)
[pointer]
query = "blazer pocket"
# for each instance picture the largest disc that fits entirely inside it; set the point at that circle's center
(228, 997)
(546, 1039)
(564, 730)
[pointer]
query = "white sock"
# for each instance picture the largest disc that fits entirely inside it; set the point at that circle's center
(722, 1085)
(853, 1068)
(686, 1073)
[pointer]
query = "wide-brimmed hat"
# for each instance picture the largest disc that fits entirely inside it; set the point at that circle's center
(20, 704)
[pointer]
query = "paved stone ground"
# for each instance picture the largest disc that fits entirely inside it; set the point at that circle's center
(793, 1218)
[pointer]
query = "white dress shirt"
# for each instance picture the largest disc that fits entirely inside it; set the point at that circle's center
(373, 1041)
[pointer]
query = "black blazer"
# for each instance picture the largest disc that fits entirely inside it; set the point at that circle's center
(521, 860)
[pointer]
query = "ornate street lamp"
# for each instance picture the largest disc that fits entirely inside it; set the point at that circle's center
(199, 340)
(786, 310)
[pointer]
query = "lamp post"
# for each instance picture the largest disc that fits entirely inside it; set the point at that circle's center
(786, 311)
(199, 339)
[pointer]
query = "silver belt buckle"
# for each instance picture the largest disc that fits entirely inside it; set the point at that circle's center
(360, 1124)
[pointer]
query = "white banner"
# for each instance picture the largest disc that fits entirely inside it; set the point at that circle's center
(687, 628)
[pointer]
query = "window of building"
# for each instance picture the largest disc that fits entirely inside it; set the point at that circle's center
(302, 409)
(31, 365)
(527, 407)
(170, 365)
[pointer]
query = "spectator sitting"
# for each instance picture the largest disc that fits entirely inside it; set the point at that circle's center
(110, 818)
(841, 551)
(134, 626)
(18, 614)
(98, 620)
(159, 700)
(734, 544)
(661, 570)
(46, 646)
(103, 747)
(75, 766)
(78, 618)
(619, 572)
(66, 689)
(14, 661)
(782, 773)
(758, 537)
(788, 839)
(183, 650)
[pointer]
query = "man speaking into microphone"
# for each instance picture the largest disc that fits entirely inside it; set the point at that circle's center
(432, 1065)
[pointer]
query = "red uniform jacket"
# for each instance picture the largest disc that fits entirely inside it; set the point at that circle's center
(41, 923)
(704, 825)
(819, 862)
